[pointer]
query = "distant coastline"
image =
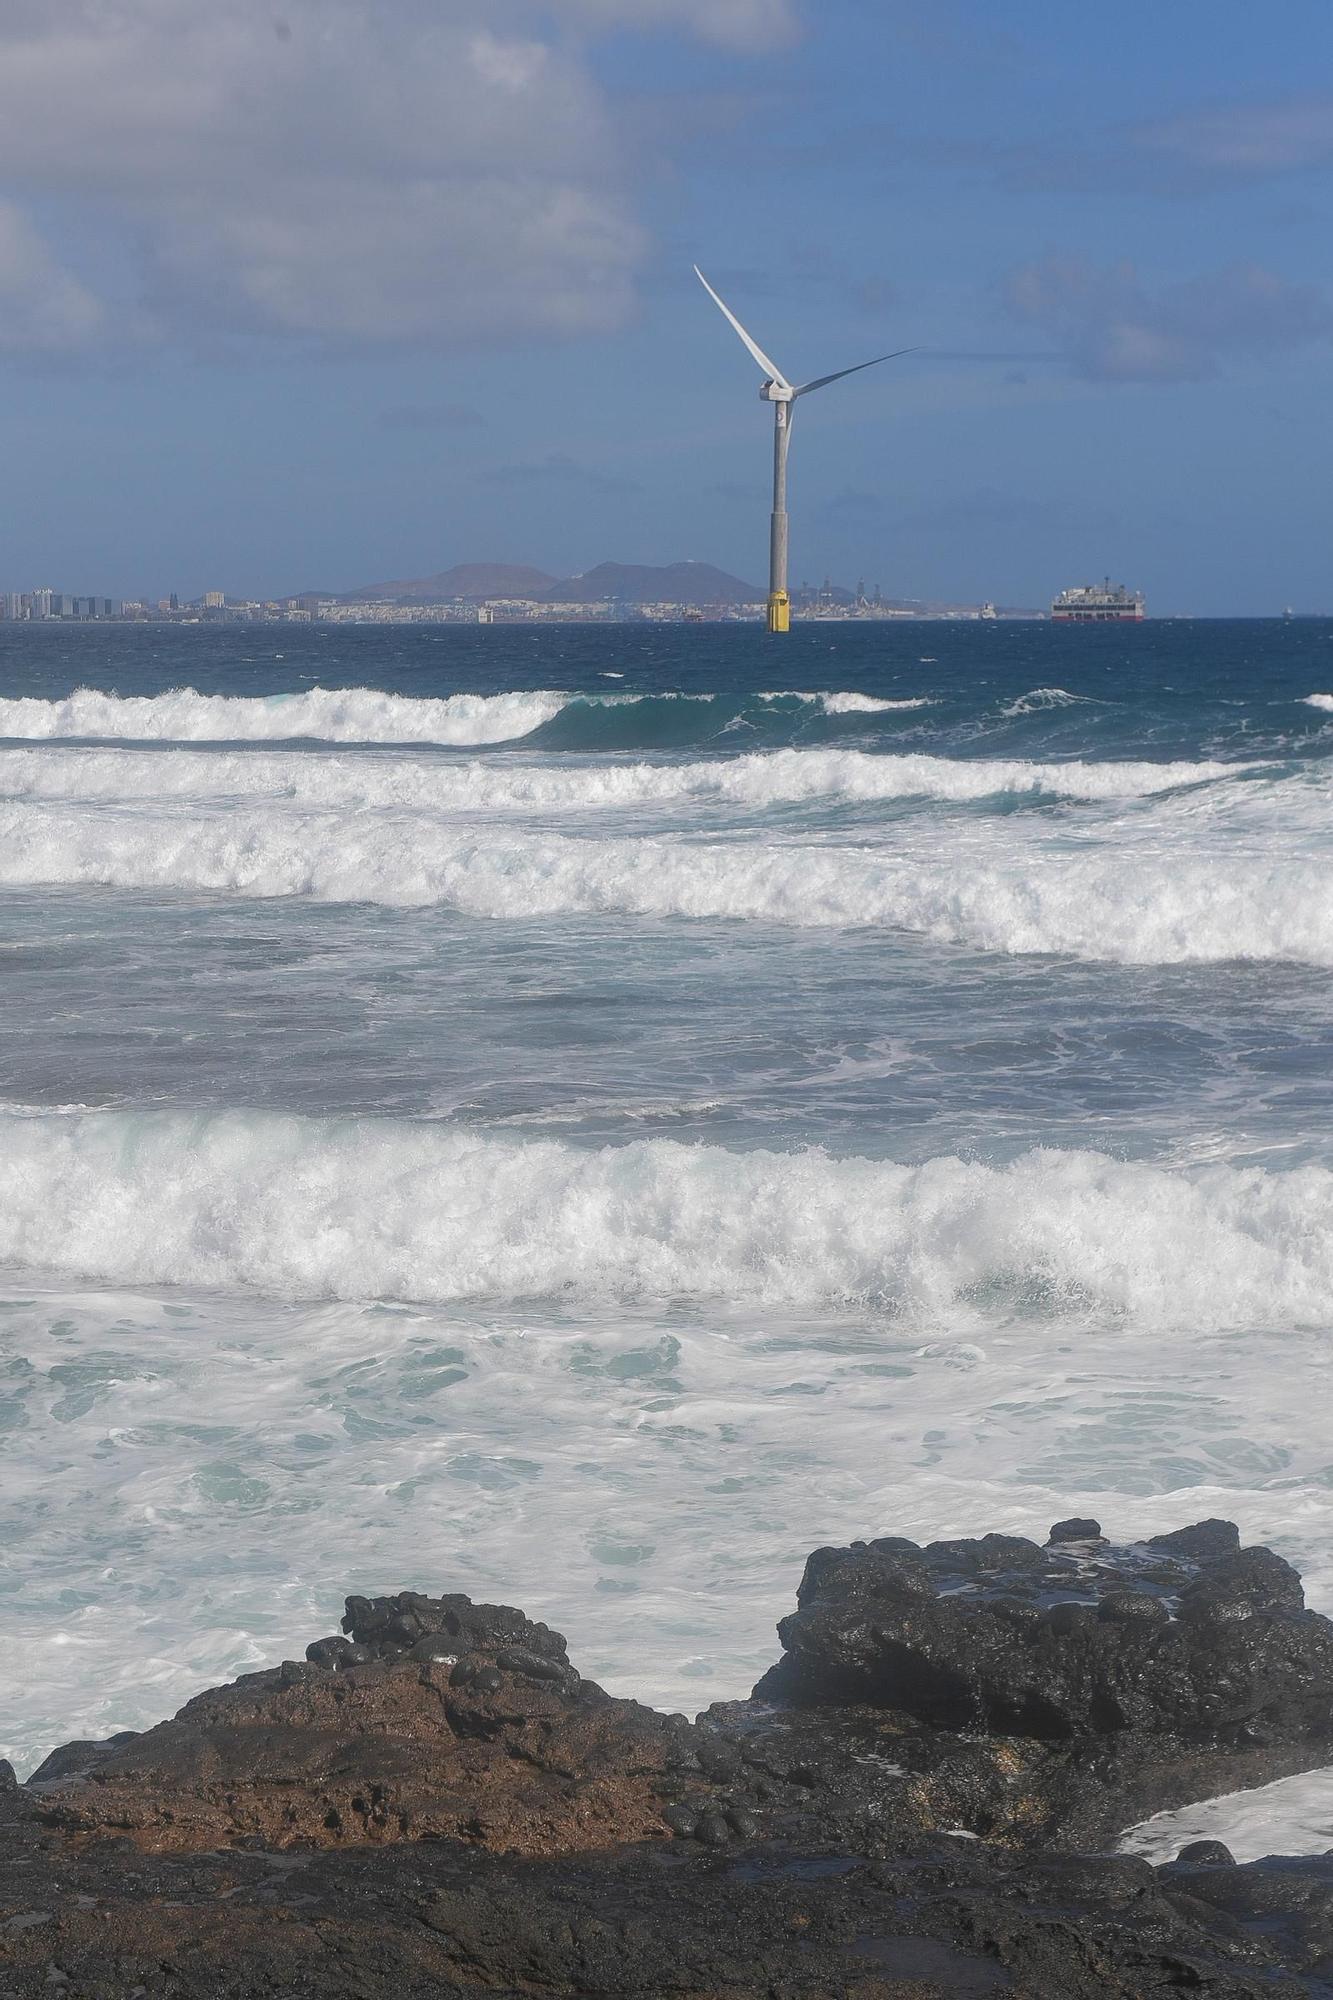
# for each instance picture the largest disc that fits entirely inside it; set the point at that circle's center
(507, 594)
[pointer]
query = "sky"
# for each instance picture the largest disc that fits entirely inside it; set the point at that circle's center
(306, 294)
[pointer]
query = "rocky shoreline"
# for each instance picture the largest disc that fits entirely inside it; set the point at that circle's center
(921, 1798)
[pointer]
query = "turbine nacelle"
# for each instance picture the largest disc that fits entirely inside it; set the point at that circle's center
(777, 392)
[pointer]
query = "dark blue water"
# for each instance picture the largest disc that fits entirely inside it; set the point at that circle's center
(1172, 689)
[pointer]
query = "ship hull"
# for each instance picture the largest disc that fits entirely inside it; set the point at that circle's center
(1097, 617)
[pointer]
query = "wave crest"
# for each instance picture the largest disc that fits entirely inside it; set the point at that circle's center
(1038, 699)
(1136, 905)
(839, 702)
(758, 778)
(336, 715)
(362, 1209)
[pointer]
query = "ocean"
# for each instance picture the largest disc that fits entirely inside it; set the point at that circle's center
(586, 1115)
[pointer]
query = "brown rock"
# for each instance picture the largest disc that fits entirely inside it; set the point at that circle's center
(384, 1752)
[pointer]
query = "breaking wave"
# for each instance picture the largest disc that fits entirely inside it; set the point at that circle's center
(757, 779)
(1145, 904)
(1324, 701)
(350, 715)
(366, 715)
(848, 703)
(380, 1209)
(1037, 699)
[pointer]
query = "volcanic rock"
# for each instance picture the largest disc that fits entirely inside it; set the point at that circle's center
(1063, 1643)
(435, 1806)
(1080, 1685)
(505, 1748)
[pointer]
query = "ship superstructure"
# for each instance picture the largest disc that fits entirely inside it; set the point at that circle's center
(1098, 604)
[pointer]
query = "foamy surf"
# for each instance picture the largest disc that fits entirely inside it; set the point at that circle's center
(847, 702)
(369, 1337)
(756, 779)
(1292, 1816)
(1324, 701)
(1152, 900)
(1038, 699)
(357, 1209)
(351, 715)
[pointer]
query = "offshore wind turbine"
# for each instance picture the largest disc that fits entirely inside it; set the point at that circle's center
(778, 391)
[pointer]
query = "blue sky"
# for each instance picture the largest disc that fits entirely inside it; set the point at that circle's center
(308, 293)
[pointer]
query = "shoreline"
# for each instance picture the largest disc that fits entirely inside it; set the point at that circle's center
(917, 1800)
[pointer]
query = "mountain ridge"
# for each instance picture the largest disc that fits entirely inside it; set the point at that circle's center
(692, 583)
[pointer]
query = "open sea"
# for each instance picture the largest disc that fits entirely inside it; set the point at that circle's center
(587, 1115)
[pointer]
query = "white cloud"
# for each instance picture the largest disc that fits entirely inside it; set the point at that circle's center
(348, 169)
(42, 307)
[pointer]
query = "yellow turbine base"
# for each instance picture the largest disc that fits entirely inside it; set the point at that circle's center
(779, 612)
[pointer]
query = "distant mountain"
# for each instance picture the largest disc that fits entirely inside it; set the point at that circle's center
(693, 583)
(642, 583)
(479, 580)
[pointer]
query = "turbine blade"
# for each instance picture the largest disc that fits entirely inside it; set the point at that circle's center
(822, 381)
(770, 368)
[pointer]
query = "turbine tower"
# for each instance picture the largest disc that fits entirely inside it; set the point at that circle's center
(778, 391)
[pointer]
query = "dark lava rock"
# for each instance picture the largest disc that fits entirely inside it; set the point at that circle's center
(1206, 1541)
(1133, 1607)
(1076, 1531)
(389, 1626)
(1080, 1687)
(949, 1921)
(1131, 1639)
(435, 1806)
(73, 1760)
(1207, 1854)
(871, 1570)
(982, 1561)
(335, 1653)
(1242, 1585)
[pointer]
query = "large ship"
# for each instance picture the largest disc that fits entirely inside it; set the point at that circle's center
(1098, 603)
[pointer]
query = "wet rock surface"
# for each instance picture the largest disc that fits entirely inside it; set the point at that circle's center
(434, 1802)
(1116, 1675)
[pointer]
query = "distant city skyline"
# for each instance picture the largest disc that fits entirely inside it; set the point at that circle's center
(279, 304)
(496, 593)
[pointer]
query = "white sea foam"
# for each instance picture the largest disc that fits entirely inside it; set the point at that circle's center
(1160, 901)
(356, 1209)
(865, 704)
(839, 702)
(647, 1478)
(1324, 701)
(757, 779)
(1038, 698)
(1292, 1816)
(342, 715)
(337, 715)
